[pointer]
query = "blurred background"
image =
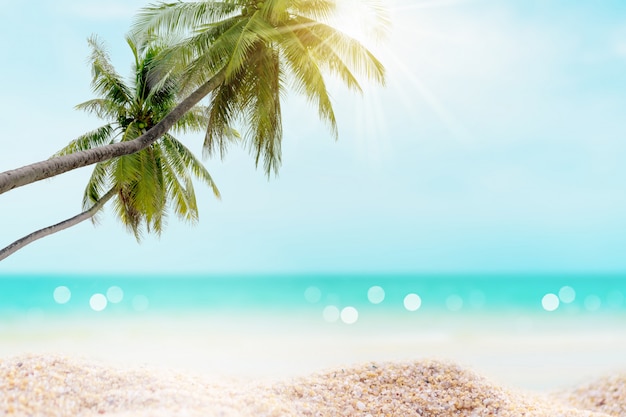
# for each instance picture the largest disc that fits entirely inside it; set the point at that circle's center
(534, 332)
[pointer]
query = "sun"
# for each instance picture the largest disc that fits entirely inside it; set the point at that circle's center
(367, 21)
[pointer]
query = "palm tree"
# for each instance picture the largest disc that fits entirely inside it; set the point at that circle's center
(242, 53)
(65, 224)
(145, 184)
(262, 48)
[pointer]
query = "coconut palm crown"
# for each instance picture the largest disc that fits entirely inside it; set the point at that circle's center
(261, 48)
(146, 184)
(241, 54)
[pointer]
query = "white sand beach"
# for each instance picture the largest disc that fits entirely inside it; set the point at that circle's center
(56, 386)
(530, 353)
(268, 365)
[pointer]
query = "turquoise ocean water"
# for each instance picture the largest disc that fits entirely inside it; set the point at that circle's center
(330, 297)
(534, 331)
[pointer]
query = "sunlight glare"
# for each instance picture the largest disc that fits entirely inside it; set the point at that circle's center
(367, 21)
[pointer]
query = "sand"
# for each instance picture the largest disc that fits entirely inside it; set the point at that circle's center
(50, 385)
(607, 394)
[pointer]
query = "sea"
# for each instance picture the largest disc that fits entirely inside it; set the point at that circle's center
(332, 297)
(535, 331)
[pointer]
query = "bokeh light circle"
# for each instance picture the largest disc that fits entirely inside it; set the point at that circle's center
(376, 294)
(550, 302)
(592, 303)
(412, 302)
(115, 294)
(98, 302)
(567, 294)
(349, 315)
(313, 295)
(62, 294)
(454, 302)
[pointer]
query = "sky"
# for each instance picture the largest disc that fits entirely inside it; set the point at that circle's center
(497, 146)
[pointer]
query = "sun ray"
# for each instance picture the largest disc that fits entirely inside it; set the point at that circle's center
(408, 66)
(367, 21)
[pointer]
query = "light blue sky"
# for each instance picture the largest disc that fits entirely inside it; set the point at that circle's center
(498, 145)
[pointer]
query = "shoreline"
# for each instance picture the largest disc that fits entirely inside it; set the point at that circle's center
(266, 347)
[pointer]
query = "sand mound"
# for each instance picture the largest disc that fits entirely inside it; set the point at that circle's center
(56, 386)
(606, 395)
(425, 388)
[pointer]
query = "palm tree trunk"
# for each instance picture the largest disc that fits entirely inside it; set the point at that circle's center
(55, 166)
(65, 224)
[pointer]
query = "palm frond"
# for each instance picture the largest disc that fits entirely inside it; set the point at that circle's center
(175, 150)
(127, 214)
(195, 120)
(105, 79)
(98, 184)
(159, 18)
(140, 203)
(151, 195)
(102, 108)
(353, 53)
(206, 52)
(313, 9)
(264, 112)
(226, 105)
(89, 140)
(307, 78)
(379, 19)
(239, 48)
(324, 54)
(182, 199)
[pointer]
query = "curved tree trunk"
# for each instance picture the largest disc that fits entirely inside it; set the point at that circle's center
(55, 166)
(65, 224)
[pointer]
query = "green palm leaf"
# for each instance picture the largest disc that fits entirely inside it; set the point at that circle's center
(89, 140)
(176, 150)
(102, 108)
(98, 184)
(261, 47)
(174, 17)
(151, 182)
(105, 80)
(351, 51)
